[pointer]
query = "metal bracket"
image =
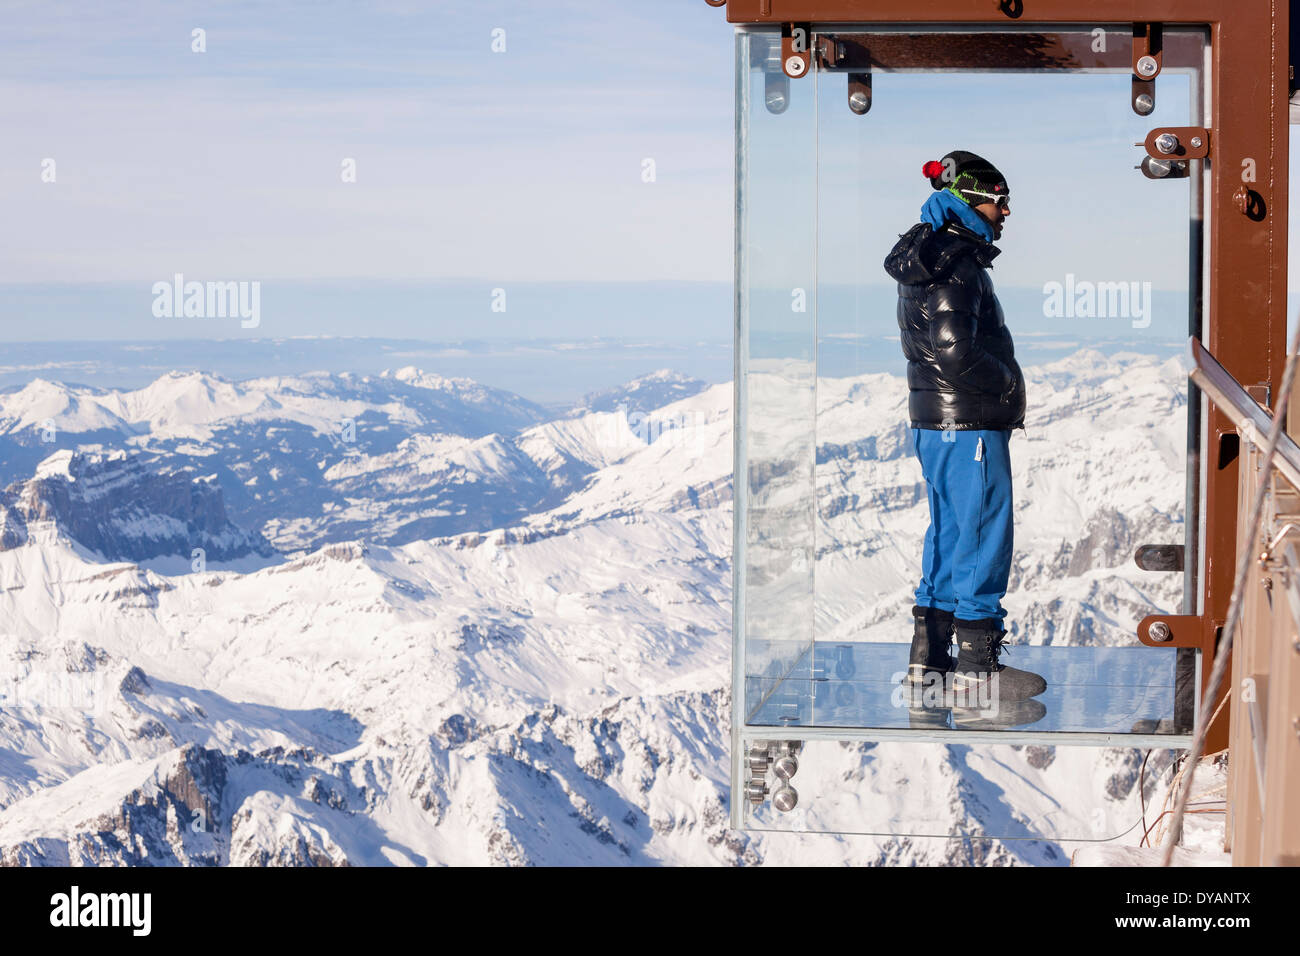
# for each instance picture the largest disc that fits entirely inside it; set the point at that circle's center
(1170, 147)
(1171, 630)
(796, 49)
(1178, 143)
(830, 51)
(1161, 168)
(782, 757)
(1147, 60)
(860, 92)
(1160, 557)
(836, 55)
(756, 763)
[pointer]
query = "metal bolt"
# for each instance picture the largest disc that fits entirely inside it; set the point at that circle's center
(1166, 142)
(776, 101)
(1159, 631)
(756, 790)
(1196, 142)
(858, 102)
(1146, 66)
(794, 65)
(1160, 168)
(785, 799)
(1144, 104)
(1241, 199)
(786, 766)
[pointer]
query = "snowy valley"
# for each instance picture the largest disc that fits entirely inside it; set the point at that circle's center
(410, 620)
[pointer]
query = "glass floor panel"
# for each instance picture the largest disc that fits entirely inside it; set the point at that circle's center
(1034, 799)
(1101, 690)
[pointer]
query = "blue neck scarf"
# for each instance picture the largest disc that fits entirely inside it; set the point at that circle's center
(946, 206)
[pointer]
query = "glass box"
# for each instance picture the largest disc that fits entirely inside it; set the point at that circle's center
(1101, 281)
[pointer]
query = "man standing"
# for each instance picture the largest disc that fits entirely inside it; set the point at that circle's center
(967, 394)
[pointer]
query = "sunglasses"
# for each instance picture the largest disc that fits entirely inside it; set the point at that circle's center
(1001, 201)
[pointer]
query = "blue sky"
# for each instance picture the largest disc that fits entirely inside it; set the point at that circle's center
(478, 170)
(470, 164)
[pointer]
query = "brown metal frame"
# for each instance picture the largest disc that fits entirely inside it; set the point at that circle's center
(1245, 312)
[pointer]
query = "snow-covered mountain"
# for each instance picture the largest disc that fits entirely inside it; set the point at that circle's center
(121, 509)
(312, 459)
(548, 687)
(643, 394)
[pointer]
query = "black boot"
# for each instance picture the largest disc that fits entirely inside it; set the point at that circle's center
(930, 644)
(979, 679)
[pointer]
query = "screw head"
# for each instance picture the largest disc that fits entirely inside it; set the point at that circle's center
(1166, 142)
(794, 65)
(858, 102)
(1196, 142)
(1160, 168)
(1144, 104)
(786, 766)
(1146, 66)
(1159, 631)
(785, 799)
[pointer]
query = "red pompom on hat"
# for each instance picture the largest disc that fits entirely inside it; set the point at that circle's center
(972, 177)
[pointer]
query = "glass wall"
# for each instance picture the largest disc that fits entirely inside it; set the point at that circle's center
(777, 288)
(1098, 281)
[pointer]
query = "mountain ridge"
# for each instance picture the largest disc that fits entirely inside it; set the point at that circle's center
(555, 689)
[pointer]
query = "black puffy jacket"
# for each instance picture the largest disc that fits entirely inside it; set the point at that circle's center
(961, 365)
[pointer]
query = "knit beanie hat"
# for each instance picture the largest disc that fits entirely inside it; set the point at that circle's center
(971, 177)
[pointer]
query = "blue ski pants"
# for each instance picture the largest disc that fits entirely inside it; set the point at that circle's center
(967, 556)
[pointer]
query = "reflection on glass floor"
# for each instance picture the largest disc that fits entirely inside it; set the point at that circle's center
(1116, 690)
(1026, 796)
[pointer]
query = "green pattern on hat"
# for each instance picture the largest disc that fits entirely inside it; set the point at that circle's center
(977, 186)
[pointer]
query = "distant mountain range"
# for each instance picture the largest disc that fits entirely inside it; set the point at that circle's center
(435, 623)
(308, 460)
